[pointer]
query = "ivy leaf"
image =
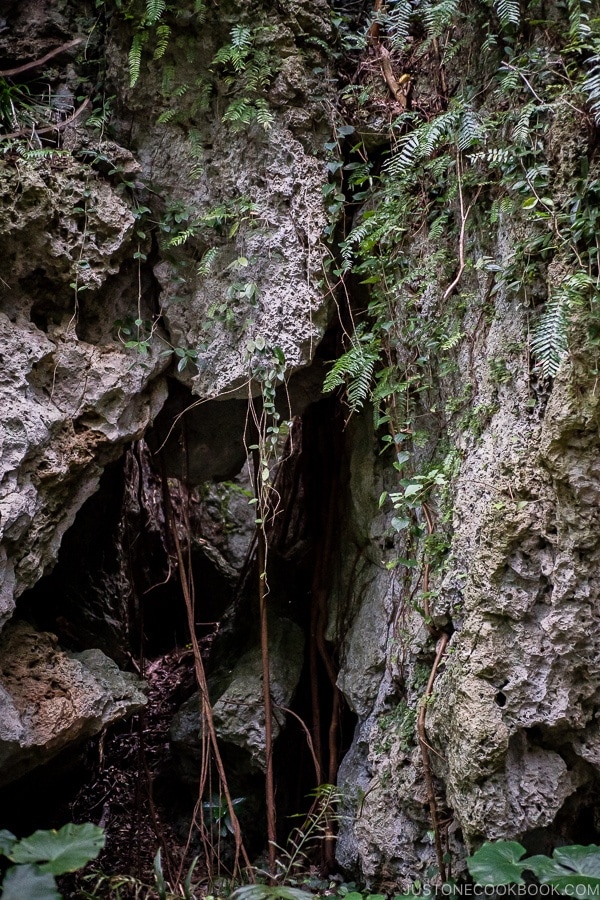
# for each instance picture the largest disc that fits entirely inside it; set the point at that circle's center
(498, 863)
(61, 851)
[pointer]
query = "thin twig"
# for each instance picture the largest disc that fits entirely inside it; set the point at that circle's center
(48, 128)
(506, 65)
(464, 215)
(7, 73)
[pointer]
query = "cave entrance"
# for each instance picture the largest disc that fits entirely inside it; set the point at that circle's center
(114, 587)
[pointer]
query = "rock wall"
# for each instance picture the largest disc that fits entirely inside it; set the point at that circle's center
(98, 299)
(155, 258)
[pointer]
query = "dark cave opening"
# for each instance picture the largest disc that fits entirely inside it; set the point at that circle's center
(115, 587)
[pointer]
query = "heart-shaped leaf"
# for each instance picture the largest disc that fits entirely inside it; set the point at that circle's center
(497, 863)
(61, 851)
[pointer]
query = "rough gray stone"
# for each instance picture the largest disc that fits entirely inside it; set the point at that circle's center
(50, 699)
(237, 697)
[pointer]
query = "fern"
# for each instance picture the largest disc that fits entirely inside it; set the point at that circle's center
(439, 16)
(355, 369)
(163, 33)
(264, 116)
(135, 57)
(240, 112)
(509, 12)
(167, 116)
(549, 340)
(591, 85)
(579, 27)
(154, 10)
(200, 10)
(398, 22)
(208, 260)
(179, 239)
(471, 129)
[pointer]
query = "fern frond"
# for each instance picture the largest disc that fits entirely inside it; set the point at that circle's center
(200, 10)
(522, 129)
(355, 369)
(591, 86)
(509, 12)
(579, 21)
(241, 38)
(408, 154)
(154, 10)
(135, 57)
(240, 112)
(264, 116)
(438, 16)
(208, 260)
(471, 129)
(398, 22)
(179, 239)
(167, 116)
(549, 339)
(163, 33)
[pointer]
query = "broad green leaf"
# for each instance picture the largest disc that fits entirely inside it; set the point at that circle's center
(28, 883)
(583, 860)
(497, 863)
(7, 840)
(399, 524)
(61, 851)
(412, 489)
(570, 867)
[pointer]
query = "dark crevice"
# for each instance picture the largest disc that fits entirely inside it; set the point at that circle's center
(115, 587)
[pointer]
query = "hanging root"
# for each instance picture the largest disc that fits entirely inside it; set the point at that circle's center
(435, 821)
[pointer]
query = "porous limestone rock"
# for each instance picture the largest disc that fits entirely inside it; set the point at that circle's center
(237, 697)
(50, 698)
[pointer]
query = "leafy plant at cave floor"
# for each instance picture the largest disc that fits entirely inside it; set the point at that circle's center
(43, 855)
(572, 871)
(117, 886)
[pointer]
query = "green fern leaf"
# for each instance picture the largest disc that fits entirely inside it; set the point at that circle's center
(163, 33)
(154, 10)
(355, 369)
(549, 340)
(509, 12)
(207, 261)
(135, 57)
(398, 23)
(439, 15)
(591, 86)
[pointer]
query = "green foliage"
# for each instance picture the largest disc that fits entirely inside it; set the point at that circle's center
(248, 69)
(572, 871)
(43, 855)
(549, 339)
(270, 892)
(216, 814)
(354, 369)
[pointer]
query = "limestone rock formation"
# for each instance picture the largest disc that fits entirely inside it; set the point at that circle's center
(50, 699)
